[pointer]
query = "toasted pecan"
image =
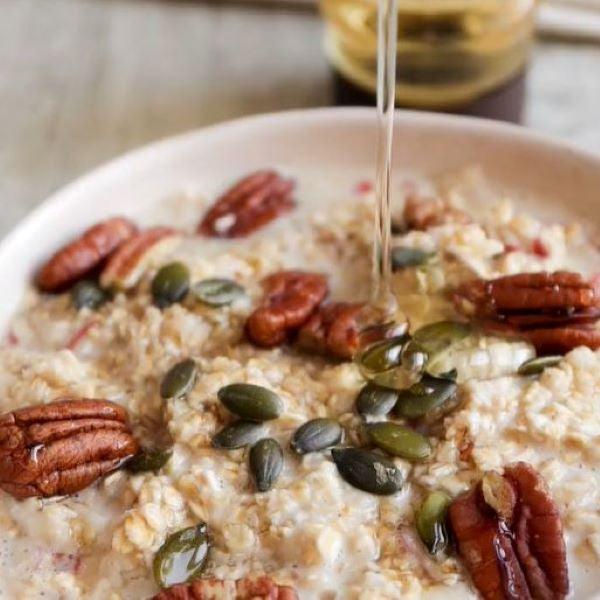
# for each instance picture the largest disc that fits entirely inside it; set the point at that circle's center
(290, 299)
(332, 330)
(62, 447)
(261, 588)
(554, 311)
(517, 556)
(84, 254)
(125, 267)
(539, 534)
(250, 204)
(423, 213)
(560, 340)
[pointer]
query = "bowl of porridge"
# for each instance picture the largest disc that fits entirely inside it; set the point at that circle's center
(193, 408)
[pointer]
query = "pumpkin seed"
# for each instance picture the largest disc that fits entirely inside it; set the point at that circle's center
(238, 435)
(88, 294)
(413, 357)
(431, 521)
(179, 380)
(149, 460)
(437, 337)
(266, 463)
(251, 402)
(534, 366)
(398, 440)
(381, 356)
(370, 333)
(182, 557)
(170, 284)
(430, 398)
(375, 400)
(396, 379)
(403, 257)
(316, 435)
(368, 471)
(452, 374)
(217, 292)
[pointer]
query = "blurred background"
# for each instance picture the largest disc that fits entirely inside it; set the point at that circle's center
(82, 81)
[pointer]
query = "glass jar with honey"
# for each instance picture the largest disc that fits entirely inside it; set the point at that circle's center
(466, 56)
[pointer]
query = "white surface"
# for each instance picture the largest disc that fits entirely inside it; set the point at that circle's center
(331, 142)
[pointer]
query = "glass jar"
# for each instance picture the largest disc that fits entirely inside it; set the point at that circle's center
(453, 55)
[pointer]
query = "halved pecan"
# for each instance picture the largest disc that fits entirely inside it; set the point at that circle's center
(539, 534)
(250, 204)
(332, 330)
(290, 299)
(554, 311)
(584, 316)
(516, 556)
(83, 255)
(261, 588)
(125, 267)
(62, 447)
(561, 340)
(423, 213)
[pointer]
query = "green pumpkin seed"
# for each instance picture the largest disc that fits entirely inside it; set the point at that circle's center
(368, 471)
(381, 356)
(431, 521)
(238, 435)
(217, 292)
(170, 284)
(396, 379)
(398, 440)
(430, 399)
(437, 337)
(266, 463)
(403, 257)
(372, 333)
(179, 380)
(413, 358)
(251, 402)
(182, 557)
(88, 294)
(149, 460)
(316, 435)
(452, 374)
(535, 366)
(375, 400)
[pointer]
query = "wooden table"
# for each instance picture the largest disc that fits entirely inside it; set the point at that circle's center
(84, 80)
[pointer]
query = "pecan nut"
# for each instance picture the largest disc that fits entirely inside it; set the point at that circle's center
(126, 266)
(290, 299)
(554, 311)
(423, 213)
(262, 588)
(83, 255)
(561, 340)
(333, 330)
(250, 204)
(518, 555)
(62, 447)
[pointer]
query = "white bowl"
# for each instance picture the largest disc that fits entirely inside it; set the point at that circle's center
(325, 142)
(331, 140)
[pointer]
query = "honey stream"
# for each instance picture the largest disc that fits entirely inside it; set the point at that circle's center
(383, 301)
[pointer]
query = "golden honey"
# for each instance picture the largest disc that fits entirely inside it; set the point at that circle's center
(449, 52)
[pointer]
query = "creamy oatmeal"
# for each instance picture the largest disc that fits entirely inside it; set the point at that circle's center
(311, 531)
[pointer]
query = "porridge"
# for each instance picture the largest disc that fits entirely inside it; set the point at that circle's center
(247, 440)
